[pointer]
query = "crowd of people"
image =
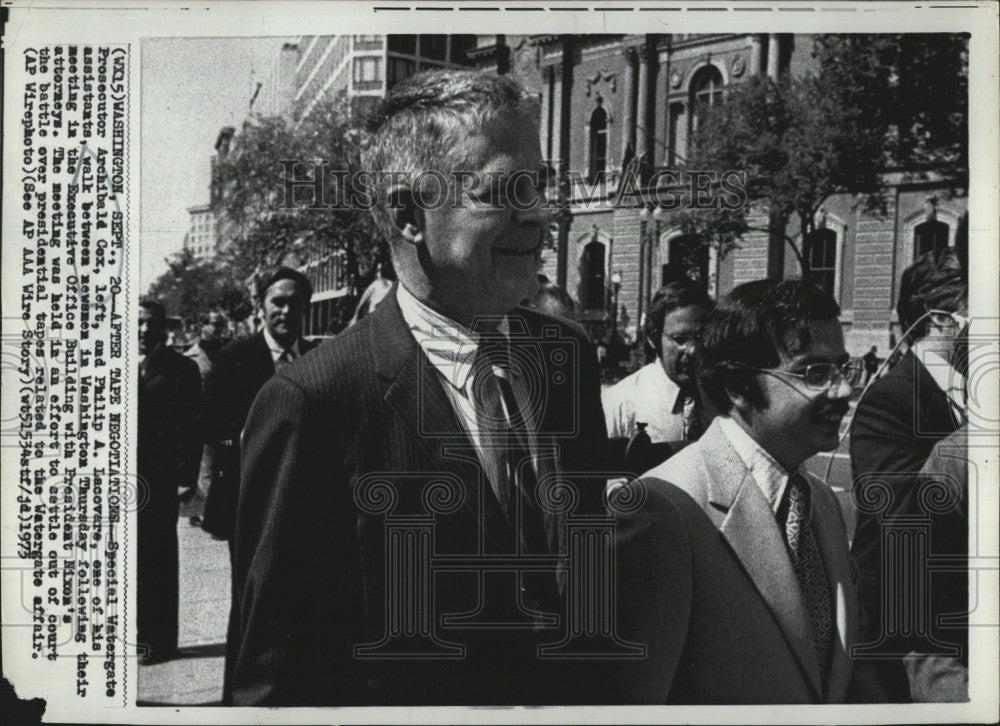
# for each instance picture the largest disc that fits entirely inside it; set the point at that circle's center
(735, 578)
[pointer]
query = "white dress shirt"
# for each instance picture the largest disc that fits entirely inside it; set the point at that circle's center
(278, 350)
(767, 472)
(647, 396)
(451, 349)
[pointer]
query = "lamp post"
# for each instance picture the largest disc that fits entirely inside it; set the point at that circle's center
(654, 244)
(643, 221)
(616, 286)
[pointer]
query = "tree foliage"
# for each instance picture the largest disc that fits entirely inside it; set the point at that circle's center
(261, 225)
(914, 86)
(875, 104)
(191, 287)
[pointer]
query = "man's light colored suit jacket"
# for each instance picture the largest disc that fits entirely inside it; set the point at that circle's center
(706, 583)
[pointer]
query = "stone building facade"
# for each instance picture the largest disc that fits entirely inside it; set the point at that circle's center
(606, 100)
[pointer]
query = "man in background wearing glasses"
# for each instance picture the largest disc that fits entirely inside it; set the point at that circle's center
(664, 394)
(900, 418)
(733, 561)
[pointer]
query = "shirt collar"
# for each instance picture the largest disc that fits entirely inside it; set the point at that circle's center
(276, 348)
(675, 394)
(448, 345)
(767, 472)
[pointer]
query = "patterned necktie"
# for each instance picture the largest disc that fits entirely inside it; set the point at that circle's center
(793, 512)
(692, 419)
(501, 421)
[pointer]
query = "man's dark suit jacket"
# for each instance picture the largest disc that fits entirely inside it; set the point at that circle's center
(361, 423)
(168, 457)
(240, 370)
(897, 423)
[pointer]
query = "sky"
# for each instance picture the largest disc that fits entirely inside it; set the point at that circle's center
(191, 87)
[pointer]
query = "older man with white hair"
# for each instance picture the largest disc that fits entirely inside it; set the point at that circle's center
(446, 406)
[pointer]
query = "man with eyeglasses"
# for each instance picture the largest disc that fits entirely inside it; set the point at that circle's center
(919, 402)
(733, 562)
(664, 394)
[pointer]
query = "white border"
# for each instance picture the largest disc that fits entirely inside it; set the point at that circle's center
(48, 21)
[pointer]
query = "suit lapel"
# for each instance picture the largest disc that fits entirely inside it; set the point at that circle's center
(416, 395)
(832, 542)
(752, 532)
(155, 365)
(263, 361)
(531, 360)
(934, 415)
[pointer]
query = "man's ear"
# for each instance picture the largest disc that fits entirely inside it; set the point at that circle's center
(407, 215)
(740, 402)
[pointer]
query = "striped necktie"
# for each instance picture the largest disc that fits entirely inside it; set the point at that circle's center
(500, 417)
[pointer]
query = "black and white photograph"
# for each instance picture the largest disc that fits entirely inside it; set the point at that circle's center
(576, 371)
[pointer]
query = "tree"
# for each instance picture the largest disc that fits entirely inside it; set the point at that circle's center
(261, 225)
(865, 112)
(192, 287)
(914, 85)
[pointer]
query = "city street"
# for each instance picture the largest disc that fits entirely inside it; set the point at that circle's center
(196, 676)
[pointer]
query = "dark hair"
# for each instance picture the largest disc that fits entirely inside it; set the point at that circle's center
(287, 273)
(937, 280)
(156, 308)
(755, 326)
(672, 296)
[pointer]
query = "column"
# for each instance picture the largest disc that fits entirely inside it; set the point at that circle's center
(557, 92)
(772, 55)
(642, 107)
(628, 127)
(756, 55)
(566, 69)
(544, 123)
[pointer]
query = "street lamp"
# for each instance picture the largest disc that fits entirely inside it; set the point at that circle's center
(616, 286)
(654, 244)
(643, 221)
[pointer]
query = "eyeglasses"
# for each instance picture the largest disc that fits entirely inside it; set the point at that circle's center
(820, 376)
(681, 341)
(960, 320)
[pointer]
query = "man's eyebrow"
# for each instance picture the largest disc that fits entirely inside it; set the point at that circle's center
(809, 359)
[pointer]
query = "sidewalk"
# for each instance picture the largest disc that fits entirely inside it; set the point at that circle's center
(196, 676)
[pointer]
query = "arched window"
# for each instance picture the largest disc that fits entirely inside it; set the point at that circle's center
(930, 235)
(598, 144)
(823, 259)
(592, 297)
(705, 92)
(687, 258)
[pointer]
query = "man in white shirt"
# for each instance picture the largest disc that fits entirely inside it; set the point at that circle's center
(734, 570)
(422, 437)
(663, 394)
